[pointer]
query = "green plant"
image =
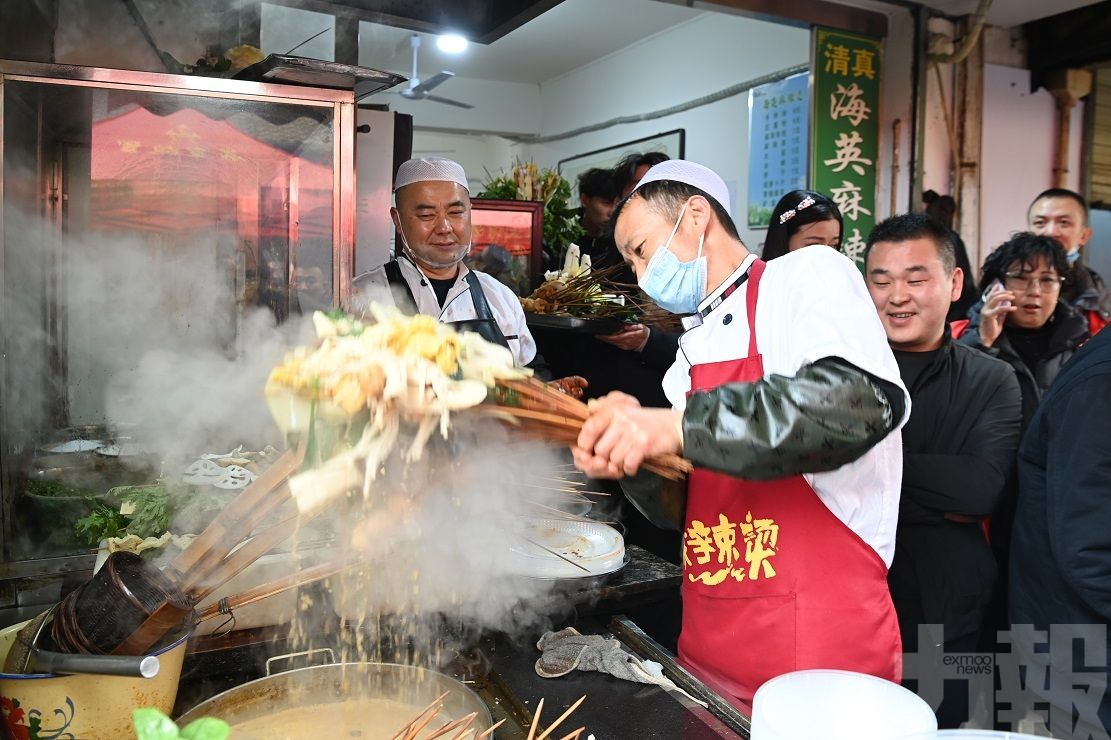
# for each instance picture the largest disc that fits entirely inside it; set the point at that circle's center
(526, 182)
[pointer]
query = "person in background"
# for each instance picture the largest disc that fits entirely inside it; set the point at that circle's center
(1062, 542)
(432, 214)
(632, 167)
(1022, 320)
(1063, 215)
(802, 218)
(597, 195)
(787, 400)
(637, 355)
(1022, 317)
(958, 445)
(944, 209)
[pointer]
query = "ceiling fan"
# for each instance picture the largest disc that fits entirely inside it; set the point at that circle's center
(421, 90)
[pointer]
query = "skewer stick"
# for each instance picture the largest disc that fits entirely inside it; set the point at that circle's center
(559, 513)
(404, 730)
(546, 487)
(574, 735)
(466, 728)
(415, 730)
(299, 578)
(212, 544)
(200, 586)
(466, 721)
(549, 550)
(490, 732)
(562, 717)
(564, 481)
(535, 719)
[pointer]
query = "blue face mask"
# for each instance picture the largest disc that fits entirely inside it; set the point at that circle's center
(674, 285)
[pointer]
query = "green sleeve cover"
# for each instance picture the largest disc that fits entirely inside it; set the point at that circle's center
(829, 414)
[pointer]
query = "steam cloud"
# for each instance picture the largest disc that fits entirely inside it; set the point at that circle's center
(157, 347)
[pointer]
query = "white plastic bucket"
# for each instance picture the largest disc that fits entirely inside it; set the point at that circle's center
(837, 705)
(980, 735)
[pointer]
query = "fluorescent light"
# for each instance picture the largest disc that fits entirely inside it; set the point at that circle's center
(451, 43)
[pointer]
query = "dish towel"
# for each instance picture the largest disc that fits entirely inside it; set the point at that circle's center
(567, 650)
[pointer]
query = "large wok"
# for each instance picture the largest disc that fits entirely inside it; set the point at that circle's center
(317, 688)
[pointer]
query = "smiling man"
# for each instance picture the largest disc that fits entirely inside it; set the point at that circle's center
(787, 400)
(958, 445)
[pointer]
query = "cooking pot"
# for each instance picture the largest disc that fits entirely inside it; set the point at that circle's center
(90, 707)
(324, 696)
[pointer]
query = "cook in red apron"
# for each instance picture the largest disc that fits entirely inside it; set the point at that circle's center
(773, 582)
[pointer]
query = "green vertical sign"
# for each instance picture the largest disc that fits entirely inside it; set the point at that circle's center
(845, 139)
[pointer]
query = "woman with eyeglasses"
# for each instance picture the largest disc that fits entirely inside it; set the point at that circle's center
(1022, 320)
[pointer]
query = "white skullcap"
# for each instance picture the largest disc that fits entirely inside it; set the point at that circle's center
(691, 173)
(432, 168)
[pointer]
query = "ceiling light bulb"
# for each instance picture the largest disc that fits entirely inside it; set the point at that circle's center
(451, 43)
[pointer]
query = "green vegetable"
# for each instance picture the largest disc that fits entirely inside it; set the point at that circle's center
(54, 489)
(101, 523)
(151, 516)
(206, 728)
(151, 724)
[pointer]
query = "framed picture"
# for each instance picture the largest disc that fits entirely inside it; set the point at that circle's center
(671, 143)
(506, 241)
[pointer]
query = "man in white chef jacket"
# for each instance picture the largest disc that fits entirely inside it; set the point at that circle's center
(432, 214)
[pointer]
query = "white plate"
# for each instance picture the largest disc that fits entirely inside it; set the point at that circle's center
(597, 547)
(76, 445)
(127, 449)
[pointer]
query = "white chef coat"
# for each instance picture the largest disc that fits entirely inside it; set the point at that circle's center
(813, 303)
(374, 287)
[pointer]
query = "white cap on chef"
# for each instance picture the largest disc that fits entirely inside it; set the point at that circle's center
(432, 168)
(691, 173)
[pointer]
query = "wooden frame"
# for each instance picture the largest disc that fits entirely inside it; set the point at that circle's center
(672, 143)
(518, 227)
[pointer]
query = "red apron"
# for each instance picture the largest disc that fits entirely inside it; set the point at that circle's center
(773, 582)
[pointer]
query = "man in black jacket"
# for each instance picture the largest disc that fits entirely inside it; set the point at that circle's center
(958, 446)
(1061, 558)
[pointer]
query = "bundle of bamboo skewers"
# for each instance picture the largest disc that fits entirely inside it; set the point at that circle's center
(460, 728)
(547, 414)
(584, 295)
(594, 294)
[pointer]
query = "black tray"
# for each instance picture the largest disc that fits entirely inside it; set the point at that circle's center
(292, 70)
(573, 323)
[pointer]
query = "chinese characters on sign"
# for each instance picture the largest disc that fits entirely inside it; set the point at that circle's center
(712, 553)
(777, 128)
(846, 130)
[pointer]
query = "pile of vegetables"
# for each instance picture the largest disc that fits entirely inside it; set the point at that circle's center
(54, 489)
(148, 514)
(143, 511)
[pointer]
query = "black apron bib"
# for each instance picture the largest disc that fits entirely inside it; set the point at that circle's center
(482, 324)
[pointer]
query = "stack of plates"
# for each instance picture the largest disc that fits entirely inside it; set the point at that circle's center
(597, 547)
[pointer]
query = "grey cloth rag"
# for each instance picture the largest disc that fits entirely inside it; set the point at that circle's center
(567, 650)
